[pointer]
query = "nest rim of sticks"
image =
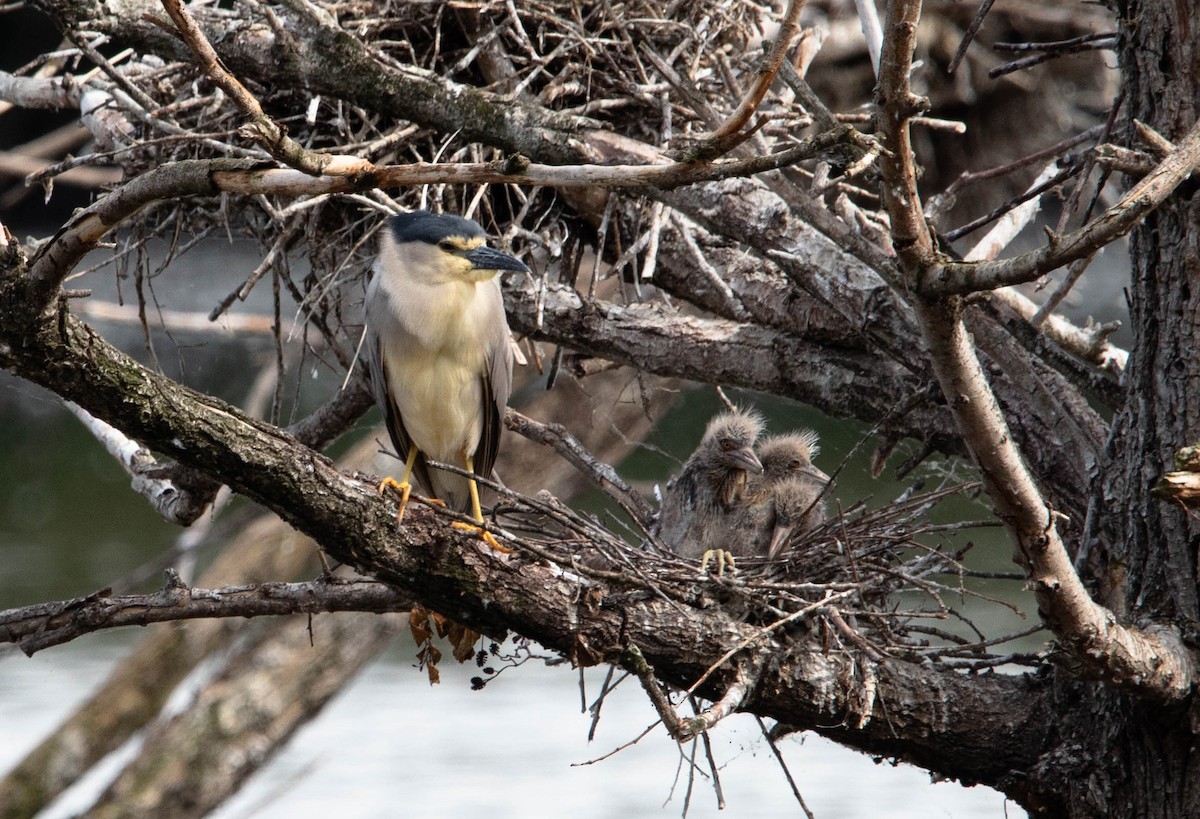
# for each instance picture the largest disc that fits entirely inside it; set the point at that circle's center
(865, 580)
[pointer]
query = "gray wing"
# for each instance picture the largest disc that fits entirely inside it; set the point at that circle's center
(678, 510)
(496, 388)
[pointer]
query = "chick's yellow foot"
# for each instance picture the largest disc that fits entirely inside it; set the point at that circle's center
(405, 489)
(723, 558)
(483, 534)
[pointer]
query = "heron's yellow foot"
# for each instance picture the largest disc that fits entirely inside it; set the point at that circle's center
(404, 488)
(723, 558)
(484, 535)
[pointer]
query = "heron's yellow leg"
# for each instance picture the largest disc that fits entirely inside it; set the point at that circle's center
(477, 513)
(403, 486)
(724, 560)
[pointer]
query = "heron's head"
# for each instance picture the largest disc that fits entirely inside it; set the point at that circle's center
(790, 455)
(728, 441)
(435, 248)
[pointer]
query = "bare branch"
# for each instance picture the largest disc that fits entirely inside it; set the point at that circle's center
(898, 105)
(1150, 663)
(39, 92)
(959, 278)
(43, 625)
(163, 495)
(1153, 664)
(1009, 226)
(264, 130)
(748, 673)
(1088, 343)
(601, 474)
(969, 35)
(714, 143)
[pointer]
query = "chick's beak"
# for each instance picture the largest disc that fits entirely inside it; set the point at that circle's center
(744, 458)
(812, 472)
(485, 258)
(778, 538)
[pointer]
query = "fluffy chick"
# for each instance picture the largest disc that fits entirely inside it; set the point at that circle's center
(710, 488)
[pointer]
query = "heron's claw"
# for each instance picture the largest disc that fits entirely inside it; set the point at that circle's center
(405, 489)
(484, 535)
(723, 558)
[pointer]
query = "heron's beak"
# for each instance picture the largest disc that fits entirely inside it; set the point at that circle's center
(485, 258)
(812, 472)
(778, 538)
(744, 458)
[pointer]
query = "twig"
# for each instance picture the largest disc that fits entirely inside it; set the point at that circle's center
(713, 768)
(1074, 271)
(620, 747)
(1033, 193)
(735, 696)
(261, 127)
(969, 35)
(853, 636)
(641, 669)
(722, 138)
(1051, 51)
(1012, 223)
(822, 116)
(1145, 196)
(783, 765)
(799, 614)
(601, 474)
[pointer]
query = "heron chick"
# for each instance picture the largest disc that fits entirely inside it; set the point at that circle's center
(798, 507)
(710, 488)
(783, 499)
(438, 348)
(791, 454)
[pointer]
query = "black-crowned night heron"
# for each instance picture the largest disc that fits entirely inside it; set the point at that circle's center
(785, 498)
(438, 348)
(797, 507)
(710, 488)
(791, 453)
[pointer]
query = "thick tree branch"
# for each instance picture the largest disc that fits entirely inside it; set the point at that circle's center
(1149, 663)
(715, 351)
(39, 92)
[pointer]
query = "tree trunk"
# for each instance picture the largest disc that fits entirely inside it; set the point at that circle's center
(1137, 758)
